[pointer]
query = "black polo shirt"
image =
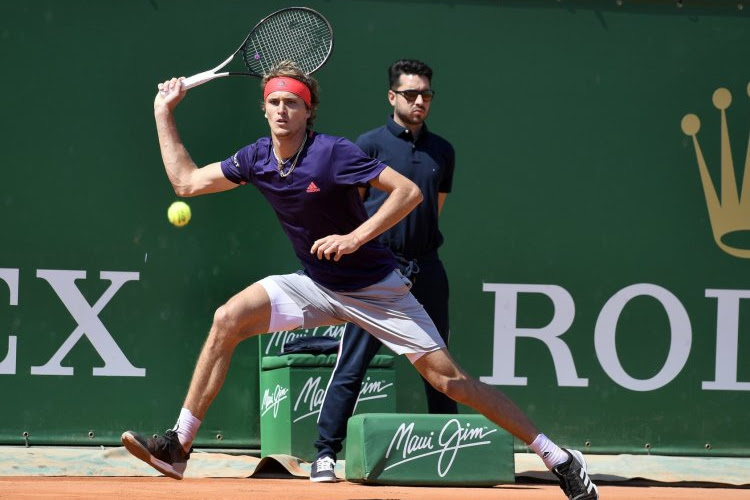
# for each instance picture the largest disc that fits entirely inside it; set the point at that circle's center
(429, 162)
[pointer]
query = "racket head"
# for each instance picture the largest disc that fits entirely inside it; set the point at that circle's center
(298, 34)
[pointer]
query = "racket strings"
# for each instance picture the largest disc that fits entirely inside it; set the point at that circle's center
(297, 35)
(287, 39)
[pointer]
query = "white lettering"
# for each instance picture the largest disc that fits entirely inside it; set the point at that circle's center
(506, 331)
(272, 401)
(372, 389)
(680, 337)
(89, 324)
(505, 334)
(452, 438)
(727, 340)
(278, 340)
(8, 364)
(333, 331)
(312, 395)
(410, 443)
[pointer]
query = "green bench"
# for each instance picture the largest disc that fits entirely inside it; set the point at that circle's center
(292, 387)
(422, 450)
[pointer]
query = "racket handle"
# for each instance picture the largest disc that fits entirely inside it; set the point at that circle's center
(199, 79)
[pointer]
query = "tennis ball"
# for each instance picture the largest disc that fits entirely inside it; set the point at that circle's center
(179, 213)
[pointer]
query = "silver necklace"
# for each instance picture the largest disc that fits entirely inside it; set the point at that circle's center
(281, 163)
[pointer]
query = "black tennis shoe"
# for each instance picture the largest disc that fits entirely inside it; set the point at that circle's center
(574, 480)
(322, 470)
(163, 453)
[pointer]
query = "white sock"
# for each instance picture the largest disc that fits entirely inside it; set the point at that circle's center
(551, 454)
(186, 428)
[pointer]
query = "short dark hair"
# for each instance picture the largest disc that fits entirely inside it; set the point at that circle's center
(291, 70)
(407, 67)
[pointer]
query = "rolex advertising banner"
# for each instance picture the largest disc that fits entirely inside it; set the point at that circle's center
(597, 233)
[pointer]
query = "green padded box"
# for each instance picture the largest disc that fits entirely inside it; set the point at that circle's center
(292, 388)
(439, 450)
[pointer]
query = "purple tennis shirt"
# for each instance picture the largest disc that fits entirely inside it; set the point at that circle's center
(319, 198)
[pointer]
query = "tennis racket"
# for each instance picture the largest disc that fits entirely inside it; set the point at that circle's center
(298, 34)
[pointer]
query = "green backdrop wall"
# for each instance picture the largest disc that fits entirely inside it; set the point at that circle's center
(594, 276)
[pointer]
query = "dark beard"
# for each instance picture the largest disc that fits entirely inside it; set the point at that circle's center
(409, 120)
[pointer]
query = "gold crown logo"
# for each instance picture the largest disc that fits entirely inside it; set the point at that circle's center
(731, 214)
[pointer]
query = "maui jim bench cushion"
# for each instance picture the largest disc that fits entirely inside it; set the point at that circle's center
(416, 449)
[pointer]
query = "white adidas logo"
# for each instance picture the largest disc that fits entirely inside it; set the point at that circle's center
(590, 486)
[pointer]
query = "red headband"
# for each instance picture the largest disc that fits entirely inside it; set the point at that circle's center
(286, 84)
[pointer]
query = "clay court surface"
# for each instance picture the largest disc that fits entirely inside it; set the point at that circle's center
(159, 488)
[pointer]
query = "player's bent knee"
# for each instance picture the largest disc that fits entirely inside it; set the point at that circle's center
(225, 326)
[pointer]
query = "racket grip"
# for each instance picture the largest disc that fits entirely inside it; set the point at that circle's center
(199, 79)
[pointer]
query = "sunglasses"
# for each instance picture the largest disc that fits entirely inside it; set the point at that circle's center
(411, 94)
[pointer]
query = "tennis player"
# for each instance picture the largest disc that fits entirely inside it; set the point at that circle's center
(311, 181)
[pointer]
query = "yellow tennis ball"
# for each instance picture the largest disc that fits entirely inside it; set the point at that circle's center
(179, 213)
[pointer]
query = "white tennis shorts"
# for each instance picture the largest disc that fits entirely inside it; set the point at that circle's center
(386, 309)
